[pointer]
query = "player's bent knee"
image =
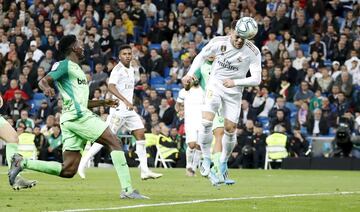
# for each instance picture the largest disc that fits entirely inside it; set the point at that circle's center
(231, 128)
(230, 134)
(207, 125)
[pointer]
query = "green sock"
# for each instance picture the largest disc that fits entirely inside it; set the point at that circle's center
(122, 170)
(48, 167)
(11, 149)
(216, 160)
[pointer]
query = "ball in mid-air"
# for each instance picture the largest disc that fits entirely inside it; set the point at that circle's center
(246, 27)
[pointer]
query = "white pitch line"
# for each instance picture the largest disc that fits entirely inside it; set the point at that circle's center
(209, 200)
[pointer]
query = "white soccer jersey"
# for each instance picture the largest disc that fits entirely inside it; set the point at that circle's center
(193, 101)
(231, 63)
(124, 80)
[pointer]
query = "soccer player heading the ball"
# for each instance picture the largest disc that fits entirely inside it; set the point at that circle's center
(235, 55)
(78, 123)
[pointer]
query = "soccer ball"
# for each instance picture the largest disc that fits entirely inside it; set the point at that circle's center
(246, 27)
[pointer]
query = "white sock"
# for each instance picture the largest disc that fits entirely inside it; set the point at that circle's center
(95, 148)
(141, 152)
(189, 157)
(205, 138)
(228, 144)
(196, 159)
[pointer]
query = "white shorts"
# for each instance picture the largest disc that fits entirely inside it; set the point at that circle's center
(191, 134)
(124, 118)
(230, 103)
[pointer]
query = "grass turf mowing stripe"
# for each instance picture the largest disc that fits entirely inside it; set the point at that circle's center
(209, 200)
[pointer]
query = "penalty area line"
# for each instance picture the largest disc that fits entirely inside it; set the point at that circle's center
(279, 196)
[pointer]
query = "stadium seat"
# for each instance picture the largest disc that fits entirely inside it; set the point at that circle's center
(156, 46)
(306, 49)
(268, 160)
(166, 72)
(160, 88)
(39, 96)
(175, 87)
(157, 80)
(160, 159)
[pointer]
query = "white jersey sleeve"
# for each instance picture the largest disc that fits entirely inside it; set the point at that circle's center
(115, 75)
(255, 71)
(181, 96)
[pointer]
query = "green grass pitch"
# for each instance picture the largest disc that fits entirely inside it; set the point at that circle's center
(256, 190)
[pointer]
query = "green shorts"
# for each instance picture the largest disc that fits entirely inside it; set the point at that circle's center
(76, 133)
(2, 121)
(218, 122)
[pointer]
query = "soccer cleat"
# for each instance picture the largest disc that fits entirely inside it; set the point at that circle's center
(205, 167)
(21, 183)
(224, 174)
(213, 179)
(15, 167)
(133, 195)
(190, 172)
(150, 175)
(81, 171)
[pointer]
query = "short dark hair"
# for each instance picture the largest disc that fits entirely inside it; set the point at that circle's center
(124, 46)
(65, 44)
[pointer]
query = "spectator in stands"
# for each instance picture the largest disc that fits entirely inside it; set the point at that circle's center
(55, 144)
(46, 130)
(166, 54)
(247, 112)
(24, 119)
(43, 112)
(280, 104)
(92, 50)
(280, 22)
(154, 99)
(316, 124)
(318, 46)
(259, 140)
(25, 86)
(272, 43)
(329, 111)
(156, 64)
(325, 81)
(166, 113)
(300, 30)
(106, 44)
(281, 119)
(262, 102)
(4, 84)
(303, 94)
(40, 143)
(345, 84)
(99, 75)
(298, 146)
(47, 61)
(36, 54)
(330, 39)
(342, 104)
(16, 105)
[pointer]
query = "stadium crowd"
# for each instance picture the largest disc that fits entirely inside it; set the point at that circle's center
(310, 71)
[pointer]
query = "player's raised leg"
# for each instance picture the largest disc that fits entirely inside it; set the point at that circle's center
(146, 173)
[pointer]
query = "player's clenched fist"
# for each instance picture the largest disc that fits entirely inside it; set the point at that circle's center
(187, 80)
(229, 83)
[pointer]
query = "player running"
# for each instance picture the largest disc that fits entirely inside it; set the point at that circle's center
(121, 85)
(234, 56)
(9, 135)
(78, 123)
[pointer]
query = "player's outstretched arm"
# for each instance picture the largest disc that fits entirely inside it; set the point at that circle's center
(44, 85)
(105, 102)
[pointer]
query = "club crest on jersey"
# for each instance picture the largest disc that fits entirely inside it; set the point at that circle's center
(240, 59)
(223, 48)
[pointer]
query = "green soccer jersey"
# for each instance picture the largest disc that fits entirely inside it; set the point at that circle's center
(203, 74)
(73, 87)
